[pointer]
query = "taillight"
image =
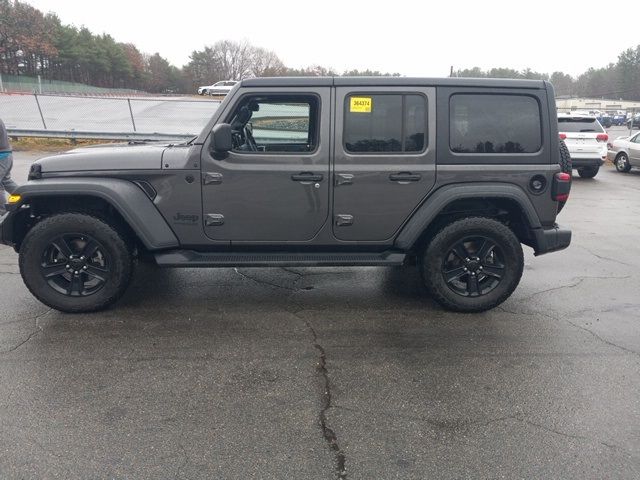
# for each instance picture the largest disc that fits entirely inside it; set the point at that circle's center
(561, 186)
(602, 137)
(563, 136)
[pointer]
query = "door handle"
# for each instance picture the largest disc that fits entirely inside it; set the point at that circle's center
(307, 177)
(405, 177)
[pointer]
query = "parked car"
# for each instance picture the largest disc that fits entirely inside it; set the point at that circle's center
(634, 122)
(586, 140)
(218, 88)
(624, 152)
(307, 172)
(605, 120)
(619, 120)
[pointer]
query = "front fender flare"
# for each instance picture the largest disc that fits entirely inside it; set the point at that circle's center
(437, 201)
(126, 197)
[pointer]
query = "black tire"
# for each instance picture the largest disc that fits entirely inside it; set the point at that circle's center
(74, 262)
(622, 163)
(442, 257)
(565, 166)
(565, 158)
(588, 172)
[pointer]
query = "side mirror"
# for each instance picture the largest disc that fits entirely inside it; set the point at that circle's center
(222, 139)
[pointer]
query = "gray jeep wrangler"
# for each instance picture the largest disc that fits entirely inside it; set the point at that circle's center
(454, 173)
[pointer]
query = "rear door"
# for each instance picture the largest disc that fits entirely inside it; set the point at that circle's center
(384, 158)
(274, 185)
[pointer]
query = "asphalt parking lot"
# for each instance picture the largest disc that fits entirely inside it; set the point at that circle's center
(295, 373)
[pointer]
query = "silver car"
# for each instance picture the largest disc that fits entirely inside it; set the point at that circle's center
(624, 152)
(218, 88)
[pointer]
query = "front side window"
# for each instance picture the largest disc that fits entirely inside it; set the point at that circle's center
(275, 124)
(385, 123)
(498, 124)
(636, 139)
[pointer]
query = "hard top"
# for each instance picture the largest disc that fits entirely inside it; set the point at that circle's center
(391, 82)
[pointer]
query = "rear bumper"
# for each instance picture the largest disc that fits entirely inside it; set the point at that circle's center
(586, 162)
(551, 239)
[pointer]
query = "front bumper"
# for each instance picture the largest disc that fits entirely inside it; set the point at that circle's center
(551, 239)
(586, 162)
(6, 229)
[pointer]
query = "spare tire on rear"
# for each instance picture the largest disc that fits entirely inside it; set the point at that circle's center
(564, 159)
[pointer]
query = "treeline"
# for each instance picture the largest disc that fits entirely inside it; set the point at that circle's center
(616, 80)
(33, 43)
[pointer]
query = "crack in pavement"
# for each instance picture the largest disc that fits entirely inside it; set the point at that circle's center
(573, 285)
(263, 282)
(37, 330)
(466, 425)
(573, 324)
(601, 257)
(327, 432)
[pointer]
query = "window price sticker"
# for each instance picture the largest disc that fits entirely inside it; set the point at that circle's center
(361, 105)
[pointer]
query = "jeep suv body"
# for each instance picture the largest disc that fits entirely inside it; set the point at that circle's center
(457, 173)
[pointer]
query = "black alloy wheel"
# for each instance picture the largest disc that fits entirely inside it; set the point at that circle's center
(75, 265)
(474, 266)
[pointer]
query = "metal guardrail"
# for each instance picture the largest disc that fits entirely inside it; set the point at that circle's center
(104, 118)
(76, 135)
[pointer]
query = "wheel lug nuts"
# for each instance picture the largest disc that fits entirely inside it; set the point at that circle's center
(84, 268)
(466, 269)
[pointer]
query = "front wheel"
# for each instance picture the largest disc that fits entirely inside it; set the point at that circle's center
(75, 262)
(622, 163)
(588, 172)
(473, 264)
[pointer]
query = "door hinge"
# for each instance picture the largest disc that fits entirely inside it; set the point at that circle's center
(344, 220)
(213, 219)
(211, 178)
(344, 179)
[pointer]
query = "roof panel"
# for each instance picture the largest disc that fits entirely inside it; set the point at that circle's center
(390, 81)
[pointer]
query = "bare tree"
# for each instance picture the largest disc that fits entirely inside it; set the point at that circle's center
(265, 63)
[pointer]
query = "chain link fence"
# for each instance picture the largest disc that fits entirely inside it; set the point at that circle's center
(73, 116)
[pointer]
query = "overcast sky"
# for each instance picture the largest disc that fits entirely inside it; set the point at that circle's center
(414, 38)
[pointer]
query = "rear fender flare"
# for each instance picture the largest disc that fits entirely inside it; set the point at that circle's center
(438, 201)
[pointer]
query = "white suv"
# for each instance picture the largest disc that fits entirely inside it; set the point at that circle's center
(218, 88)
(586, 140)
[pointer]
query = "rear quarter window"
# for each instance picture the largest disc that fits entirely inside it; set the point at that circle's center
(495, 124)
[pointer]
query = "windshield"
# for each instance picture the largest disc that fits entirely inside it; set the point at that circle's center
(579, 125)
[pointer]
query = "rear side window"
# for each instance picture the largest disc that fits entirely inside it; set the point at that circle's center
(385, 123)
(579, 125)
(502, 124)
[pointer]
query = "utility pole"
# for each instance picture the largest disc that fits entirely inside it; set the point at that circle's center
(1, 85)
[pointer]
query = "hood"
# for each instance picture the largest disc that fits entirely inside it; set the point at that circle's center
(116, 156)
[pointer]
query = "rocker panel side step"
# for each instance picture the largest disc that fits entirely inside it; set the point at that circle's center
(191, 258)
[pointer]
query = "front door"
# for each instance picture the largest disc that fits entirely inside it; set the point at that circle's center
(274, 184)
(384, 159)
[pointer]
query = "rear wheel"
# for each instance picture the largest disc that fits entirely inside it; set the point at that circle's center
(75, 263)
(473, 264)
(588, 172)
(622, 163)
